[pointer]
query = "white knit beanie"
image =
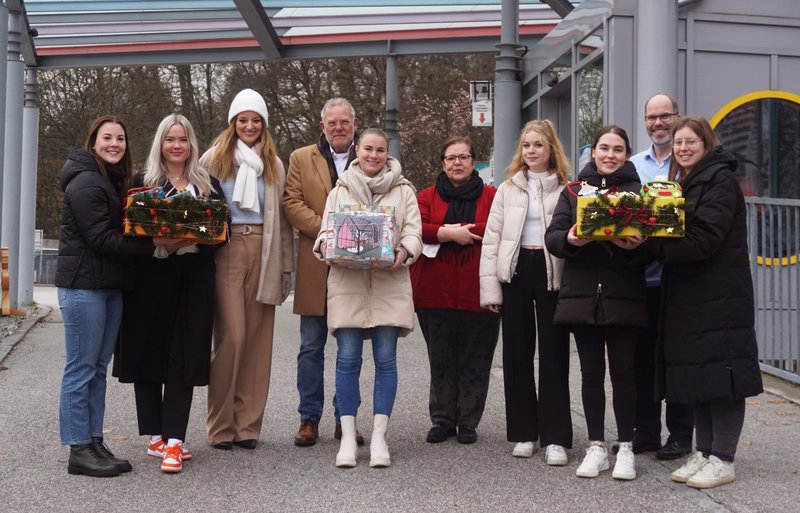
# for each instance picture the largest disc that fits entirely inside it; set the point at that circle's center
(249, 100)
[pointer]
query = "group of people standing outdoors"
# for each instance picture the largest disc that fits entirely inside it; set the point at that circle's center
(673, 317)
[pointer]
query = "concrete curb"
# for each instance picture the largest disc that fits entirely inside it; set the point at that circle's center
(8, 343)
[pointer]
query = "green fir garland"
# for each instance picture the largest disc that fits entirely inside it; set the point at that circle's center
(204, 218)
(634, 211)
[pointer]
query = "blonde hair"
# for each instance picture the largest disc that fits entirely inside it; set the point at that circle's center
(156, 169)
(223, 153)
(558, 162)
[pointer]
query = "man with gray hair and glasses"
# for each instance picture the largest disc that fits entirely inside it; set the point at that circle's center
(313, 171)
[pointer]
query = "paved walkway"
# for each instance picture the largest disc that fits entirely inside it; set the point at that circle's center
(279, 477)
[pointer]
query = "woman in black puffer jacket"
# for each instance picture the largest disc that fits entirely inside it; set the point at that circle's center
(707, 354)
(602, 300)
(91, 270)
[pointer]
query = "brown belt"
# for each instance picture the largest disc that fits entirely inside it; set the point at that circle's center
(246, 229)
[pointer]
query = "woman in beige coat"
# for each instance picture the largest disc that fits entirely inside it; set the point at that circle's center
(519, 278)
(253, 273)
(374, 304)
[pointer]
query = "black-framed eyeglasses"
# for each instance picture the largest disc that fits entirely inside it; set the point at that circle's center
(452, 158)
(651, 118)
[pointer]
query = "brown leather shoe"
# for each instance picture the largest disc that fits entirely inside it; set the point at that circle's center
(307, 434)
(337, 434)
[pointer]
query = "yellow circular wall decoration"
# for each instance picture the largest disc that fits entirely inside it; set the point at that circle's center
(730, 107)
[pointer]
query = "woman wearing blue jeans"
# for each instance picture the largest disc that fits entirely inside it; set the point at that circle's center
(90, 273)
(374, 304)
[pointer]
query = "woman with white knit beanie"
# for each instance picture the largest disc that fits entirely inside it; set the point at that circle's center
(253, 273)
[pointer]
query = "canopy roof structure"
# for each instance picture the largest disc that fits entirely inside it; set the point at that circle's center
(86, 33)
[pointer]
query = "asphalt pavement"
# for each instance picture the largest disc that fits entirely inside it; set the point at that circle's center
(279, 477)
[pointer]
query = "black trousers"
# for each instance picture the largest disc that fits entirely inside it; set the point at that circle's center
(461, 347)
(719, 426)
(166, 415)
(528, 309)
(621, 343)
(679, 417)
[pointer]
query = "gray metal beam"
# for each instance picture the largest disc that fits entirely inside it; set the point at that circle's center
(310, 51)
(561, 7)
(3, 73)
(508, 91)
(262, 29)
(390, 119)
(12, 157)
(27, 222)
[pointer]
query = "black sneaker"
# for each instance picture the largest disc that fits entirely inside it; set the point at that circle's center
(466, 434)
(439, 433)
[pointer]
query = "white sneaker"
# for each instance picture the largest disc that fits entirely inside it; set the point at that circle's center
(625, 467)
(692, 466)
(595, 461)
(714, 473)
(523, 449)
(556, 455)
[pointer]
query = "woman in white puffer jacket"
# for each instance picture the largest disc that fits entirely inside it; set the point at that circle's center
(520, 280)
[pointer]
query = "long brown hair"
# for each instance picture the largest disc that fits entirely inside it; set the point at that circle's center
(223, 158)
(91, 139)
(700, 126)
(558, 163)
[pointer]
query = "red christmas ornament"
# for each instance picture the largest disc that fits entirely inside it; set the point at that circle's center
(152, 211)
(652, 220)
(607, 231)
(208, 212)
(164, 229)
(612, 211)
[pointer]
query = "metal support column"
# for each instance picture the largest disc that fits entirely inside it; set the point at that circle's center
(656, 58)
(3, 44)
(30, 154)
(507, 90)
(391, 106)
(12, 158)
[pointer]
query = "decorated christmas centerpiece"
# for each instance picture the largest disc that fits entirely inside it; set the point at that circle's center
(361, 237)
(181, 216)
(658, 211)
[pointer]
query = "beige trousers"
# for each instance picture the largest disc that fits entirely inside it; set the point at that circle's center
(242, 352)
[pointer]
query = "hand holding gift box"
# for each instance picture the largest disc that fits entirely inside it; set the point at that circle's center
(361, 237)
(182, 216)
(606, 214)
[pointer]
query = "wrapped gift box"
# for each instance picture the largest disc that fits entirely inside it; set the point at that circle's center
(149, 214)
(361, 237)
(657, 212)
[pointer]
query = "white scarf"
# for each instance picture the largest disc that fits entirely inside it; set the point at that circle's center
(245, 188)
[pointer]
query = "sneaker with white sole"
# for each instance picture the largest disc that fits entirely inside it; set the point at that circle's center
(595, 461)
(173, 461)
(158, 448)
(523, 449)
(625, 467)
(556, 456)
(692, 466)
(714, 473)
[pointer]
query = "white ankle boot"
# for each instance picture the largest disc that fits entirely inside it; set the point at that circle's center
(347, 447)
(378, 450)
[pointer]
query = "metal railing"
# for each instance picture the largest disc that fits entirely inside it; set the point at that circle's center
(773, 227)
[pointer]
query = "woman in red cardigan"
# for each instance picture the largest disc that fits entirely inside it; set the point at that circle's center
(460, 335)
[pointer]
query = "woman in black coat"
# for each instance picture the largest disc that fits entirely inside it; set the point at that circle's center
(707, 354)
(602, 300)
(91, 271)
(165, 340)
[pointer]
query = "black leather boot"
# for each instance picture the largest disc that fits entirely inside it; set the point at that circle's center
(84, 459)
(100, 447)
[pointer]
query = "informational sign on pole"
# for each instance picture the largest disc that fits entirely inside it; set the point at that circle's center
(481, 93)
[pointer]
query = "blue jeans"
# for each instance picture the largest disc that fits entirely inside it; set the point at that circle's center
(91, 326)
(311, 368)
(348, 368)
